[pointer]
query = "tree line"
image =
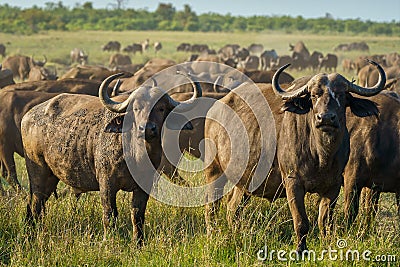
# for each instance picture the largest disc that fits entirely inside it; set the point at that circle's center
(56, 16)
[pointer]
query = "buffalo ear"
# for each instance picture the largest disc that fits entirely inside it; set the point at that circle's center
(298, 105)
(362, 107)
(116, 125)
(177, 121)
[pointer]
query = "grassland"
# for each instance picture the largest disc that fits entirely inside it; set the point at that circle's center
(71, 233)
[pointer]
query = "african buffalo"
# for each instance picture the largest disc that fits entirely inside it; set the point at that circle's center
(134, 48)
(16, 100)
(374, 160)
(312, 145)
(313, 62)
(329, 62)
(41, 73)
(92, 158)
(185, 47)
(21, 65)
(112, 46)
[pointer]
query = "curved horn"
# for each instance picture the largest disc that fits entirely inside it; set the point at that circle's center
(370, 91)
(154, 82)
(197, 92)
(282, 93)
(118, 107)
(115, 90)
(45, 60)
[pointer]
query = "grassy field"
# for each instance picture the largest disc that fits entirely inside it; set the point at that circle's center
(71, 233)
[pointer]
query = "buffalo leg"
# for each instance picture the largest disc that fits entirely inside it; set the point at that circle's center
(42, 183)
(326, 207)
(352, 194)
(139, 203)
(109, 204)
(398, 202)
(295, 195)
(215, 189)
(11, 171)
(236, 203)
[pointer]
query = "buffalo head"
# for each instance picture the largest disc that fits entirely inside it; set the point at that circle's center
(327, 96)
(150, 107)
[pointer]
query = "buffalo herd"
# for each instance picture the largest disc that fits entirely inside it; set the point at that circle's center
(331, 132)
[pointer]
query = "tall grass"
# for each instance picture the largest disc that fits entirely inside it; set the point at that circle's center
(71, 232)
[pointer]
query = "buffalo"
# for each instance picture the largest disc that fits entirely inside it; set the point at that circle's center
(329, 62)
(41, 73)
(21, 65)
(134, 48)
(112, 46)
(15, 101)
(312, 145)
(92, 158)
(374, 160)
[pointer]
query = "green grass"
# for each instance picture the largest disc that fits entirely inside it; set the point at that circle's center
(71, 233)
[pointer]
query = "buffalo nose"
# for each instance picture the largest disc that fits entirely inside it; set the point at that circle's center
(151, 127)
(326, 117)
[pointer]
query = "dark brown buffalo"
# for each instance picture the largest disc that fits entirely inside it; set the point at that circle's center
(312, 145)
(133, 48)
(374, 160)
(313, 62)
(185, 47)
(92, 158)
(15, 101)
(328, 62)
(6, 77)
(41, 73)
(299, 62)
(21, 65)
(112, 46)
